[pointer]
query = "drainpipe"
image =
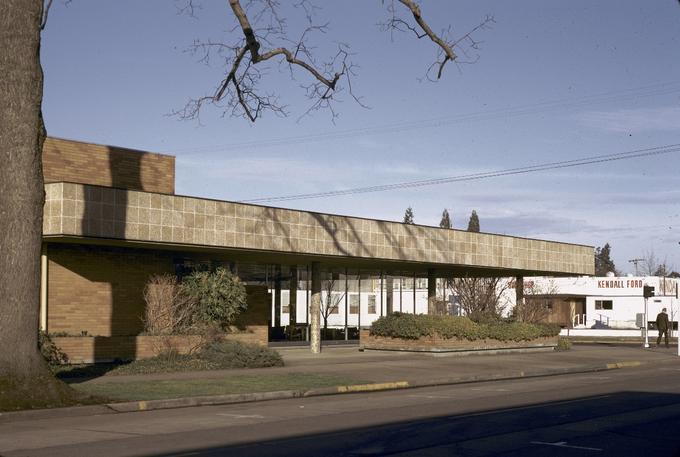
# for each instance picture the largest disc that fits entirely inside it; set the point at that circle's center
(43, 288)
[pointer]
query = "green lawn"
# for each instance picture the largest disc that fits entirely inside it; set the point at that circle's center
(156, 390)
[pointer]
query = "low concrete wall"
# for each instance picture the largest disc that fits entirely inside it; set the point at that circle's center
(94, 349)
(436, 344)
(596, 333)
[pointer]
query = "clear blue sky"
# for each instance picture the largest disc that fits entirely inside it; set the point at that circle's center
(115, 70)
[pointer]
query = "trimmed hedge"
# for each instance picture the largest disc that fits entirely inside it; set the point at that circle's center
(413, 327)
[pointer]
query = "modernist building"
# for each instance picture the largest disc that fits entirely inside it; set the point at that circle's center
(112, 219)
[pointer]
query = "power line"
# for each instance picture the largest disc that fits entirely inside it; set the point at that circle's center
(667, 149)
(665, 88)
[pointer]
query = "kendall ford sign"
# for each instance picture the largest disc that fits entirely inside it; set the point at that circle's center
(620, 284)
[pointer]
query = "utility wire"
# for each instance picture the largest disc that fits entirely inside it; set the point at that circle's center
(666, 88)
(667, 149)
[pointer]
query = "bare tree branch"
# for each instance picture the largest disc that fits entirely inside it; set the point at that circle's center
(266, 39)
(421, 29)
(446, 48)
(46, 12)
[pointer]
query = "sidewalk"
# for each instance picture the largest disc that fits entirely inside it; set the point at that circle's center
(389, 366)
(390, 370)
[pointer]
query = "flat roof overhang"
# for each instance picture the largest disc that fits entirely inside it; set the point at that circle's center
(86, 214)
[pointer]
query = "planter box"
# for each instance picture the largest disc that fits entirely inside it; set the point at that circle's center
(439, 345)
(94, 349)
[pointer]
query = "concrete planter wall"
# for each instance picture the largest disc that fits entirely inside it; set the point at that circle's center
(93, 349)
(436, 344)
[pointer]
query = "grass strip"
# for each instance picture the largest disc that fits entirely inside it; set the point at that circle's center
(237, 384)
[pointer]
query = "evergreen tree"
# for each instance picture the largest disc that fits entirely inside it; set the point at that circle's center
(603, 262)
(446, 220)
(473, 224)
(408, 216)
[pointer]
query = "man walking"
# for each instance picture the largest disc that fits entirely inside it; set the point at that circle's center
(662, 326)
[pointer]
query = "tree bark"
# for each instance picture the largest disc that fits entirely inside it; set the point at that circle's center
(25, 380)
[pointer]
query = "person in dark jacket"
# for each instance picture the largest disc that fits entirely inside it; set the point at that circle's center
(662, 326)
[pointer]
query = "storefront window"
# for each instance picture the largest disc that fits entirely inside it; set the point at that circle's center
(604, 304)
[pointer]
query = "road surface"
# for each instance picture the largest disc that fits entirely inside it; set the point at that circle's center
(633, 411)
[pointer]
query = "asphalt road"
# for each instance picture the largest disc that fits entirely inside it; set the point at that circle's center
(619, 412)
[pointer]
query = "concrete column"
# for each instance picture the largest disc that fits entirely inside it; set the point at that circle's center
(389, 294)
(43, 289)
(414, 293)
(292, 304)
(277, 297)
(519, 291)
(315, 310)
(431, 291)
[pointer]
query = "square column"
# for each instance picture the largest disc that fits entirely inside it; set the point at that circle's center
(519, 291)
(292, 301)
(315, 310)
(431, 291)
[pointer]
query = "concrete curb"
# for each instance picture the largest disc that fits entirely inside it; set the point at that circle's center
(151, 405)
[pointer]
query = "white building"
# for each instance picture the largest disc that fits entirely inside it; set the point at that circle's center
(604, 302)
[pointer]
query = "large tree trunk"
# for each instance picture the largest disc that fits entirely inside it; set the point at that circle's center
(25, 380)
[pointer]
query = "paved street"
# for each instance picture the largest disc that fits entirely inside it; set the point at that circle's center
(631, 411)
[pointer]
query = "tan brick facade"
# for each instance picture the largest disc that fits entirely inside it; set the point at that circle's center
(86, 163)
(99, 290)
(108, 349)
(90, 211)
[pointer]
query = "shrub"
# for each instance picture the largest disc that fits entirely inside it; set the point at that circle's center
(168, 309)
(399, 325)
(410, 326)
(563, 344)
(218, 296)
(235, 354)
(50, 351)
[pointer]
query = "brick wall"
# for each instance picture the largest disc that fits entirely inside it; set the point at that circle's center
(111, 348)
(86, 163)
(99, 289)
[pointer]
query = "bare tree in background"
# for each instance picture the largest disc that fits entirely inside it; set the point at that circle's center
(480, 298)
(653, 265)
(330, 303)
(534, 308)
(267, 40)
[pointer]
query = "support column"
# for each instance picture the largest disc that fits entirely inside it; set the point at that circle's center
(346, 305)
(359, 316)
(431, 291)
(389, 294)
(519, 291)
(315, 310)
(277, 297)
(292, 302)
(414, 293)
(43, 289)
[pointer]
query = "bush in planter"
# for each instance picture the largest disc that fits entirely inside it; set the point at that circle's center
(563, 344)
(169, 310)
(409, 326)
(219, 296)
(398, 325)
(412, 327)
